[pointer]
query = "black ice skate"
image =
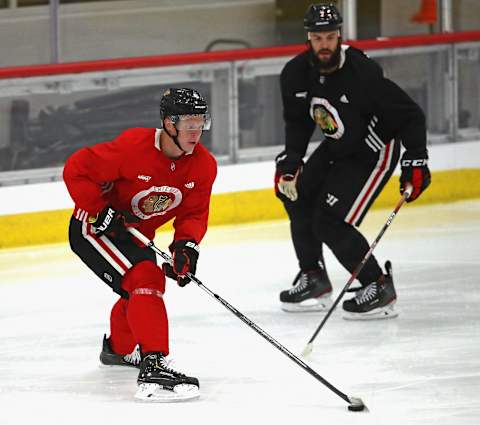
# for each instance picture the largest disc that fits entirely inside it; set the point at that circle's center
(375, 301)
(158, 381)
(312, 292)
(109, 358)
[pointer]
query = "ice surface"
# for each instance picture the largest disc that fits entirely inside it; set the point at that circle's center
(420, 368)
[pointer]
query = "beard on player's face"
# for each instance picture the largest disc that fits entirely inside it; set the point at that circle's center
(328, 59)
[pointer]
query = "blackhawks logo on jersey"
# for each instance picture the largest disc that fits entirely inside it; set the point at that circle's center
(156, 203)
(324, 120)
(326, 117)
(156, 200)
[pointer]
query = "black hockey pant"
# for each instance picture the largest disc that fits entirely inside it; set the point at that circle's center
(109, 258)
(334, 197)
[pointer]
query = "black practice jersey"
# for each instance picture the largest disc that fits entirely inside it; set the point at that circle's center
(357, 108)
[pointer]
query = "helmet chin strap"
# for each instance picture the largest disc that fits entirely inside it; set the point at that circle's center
(175, 139)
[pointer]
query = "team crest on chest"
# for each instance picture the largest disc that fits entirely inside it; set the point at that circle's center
(157, 200)
(156, 203)
(326, 117)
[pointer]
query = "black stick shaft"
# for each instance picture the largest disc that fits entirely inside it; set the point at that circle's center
(272, 341)
(362, 263)
(245, 319)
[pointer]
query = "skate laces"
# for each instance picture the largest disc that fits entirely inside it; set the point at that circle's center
(167, 365)
(366, 294)
(302, 284)
(134, 357)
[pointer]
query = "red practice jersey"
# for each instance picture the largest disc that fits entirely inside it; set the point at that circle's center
(132, 173)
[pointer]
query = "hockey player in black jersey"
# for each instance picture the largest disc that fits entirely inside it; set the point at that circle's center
(365, 119)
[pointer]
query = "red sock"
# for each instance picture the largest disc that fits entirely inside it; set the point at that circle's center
(146, 313)
(148, 320)
(122, 340)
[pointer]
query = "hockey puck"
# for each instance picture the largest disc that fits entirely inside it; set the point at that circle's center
(356, 407)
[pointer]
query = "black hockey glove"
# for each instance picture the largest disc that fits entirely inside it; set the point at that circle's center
(415, 172)
(113, 223)
(288, 162)
(288, 166)
(185, 255)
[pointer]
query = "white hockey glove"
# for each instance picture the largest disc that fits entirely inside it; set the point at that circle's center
(287, 185)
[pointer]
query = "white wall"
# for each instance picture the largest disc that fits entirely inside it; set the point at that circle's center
(132, 28)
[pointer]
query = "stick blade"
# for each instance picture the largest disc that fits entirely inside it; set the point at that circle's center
(307, 350)
(357, 405)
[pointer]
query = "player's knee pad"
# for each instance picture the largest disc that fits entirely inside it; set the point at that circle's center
(300, 214)
(145, 277)
(301, 227)
(326, 226)
(333, 231)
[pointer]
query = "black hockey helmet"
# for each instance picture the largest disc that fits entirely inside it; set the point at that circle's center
(176, 102)
(322, 17)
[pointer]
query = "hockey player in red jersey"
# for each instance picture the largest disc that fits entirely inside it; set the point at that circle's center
(144, 178)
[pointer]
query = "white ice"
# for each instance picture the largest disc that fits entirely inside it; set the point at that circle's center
(420, 368)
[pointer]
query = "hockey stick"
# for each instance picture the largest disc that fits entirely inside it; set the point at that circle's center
(355, 403)
(406, 194)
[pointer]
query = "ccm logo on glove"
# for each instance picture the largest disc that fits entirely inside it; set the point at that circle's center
(415, 172)
(414, 162)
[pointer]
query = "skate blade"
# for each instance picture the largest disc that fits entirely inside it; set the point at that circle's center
(118, 366)
(387, 312)
(155, 393)
(312, 304)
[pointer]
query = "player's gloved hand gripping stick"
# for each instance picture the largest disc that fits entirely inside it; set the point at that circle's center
(407, 191)
(414, 172)
(184, 259)
(110, 221)
(354, 403)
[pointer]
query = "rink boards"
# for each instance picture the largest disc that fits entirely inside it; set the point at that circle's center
(37, 214)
